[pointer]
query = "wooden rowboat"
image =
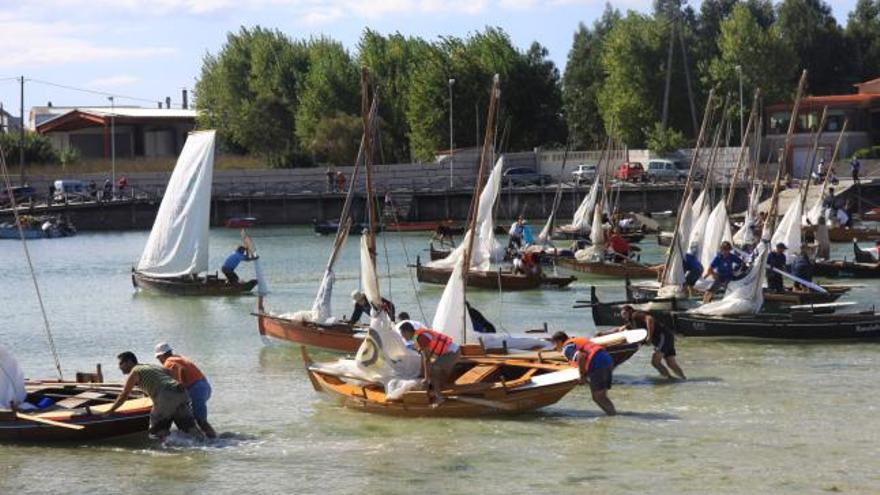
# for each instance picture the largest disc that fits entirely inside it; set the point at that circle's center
(479, 386)
(565, 232)
(629, 269)
(210, 285)
(74, 406)
(846, 269)
(847, 234)
(496, 280)
(338, 337)
(645, 292)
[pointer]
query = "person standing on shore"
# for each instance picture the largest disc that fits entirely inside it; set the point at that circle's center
(594, 364)
(193, 380)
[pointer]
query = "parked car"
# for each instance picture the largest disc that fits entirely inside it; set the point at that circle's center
(630, 172)
(71, 190)
(585, 173)
(524, 176)
(662, 169)
(20, 193)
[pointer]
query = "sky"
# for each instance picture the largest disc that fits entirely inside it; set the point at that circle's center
(145, 50)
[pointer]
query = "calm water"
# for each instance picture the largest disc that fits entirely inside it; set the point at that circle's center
(754, 418)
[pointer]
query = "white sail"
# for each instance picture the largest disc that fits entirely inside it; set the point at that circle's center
(673, 279)
(717, 231)
(700, 203)
(178, 243)
(698, 231)
(789, 229)
(745, 235)
(595, 252)
(451, 316)
(744, 296)
(486, 248)
(11, 380)
(583, 215)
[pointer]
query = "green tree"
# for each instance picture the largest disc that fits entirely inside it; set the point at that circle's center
(767, 61)
(248, 92)
(330, 87)
(863, 37)
(37, 148)
(662, 141)
(337, 139)
(583, 77)
(630, 98)
(811, 30)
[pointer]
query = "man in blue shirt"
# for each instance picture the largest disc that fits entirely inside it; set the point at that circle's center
(232, 262)
(776, 259)
(692, 268)
(722, 269)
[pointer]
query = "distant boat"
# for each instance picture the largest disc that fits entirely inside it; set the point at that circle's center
(175, 259)
(239, 222)
(43, 227)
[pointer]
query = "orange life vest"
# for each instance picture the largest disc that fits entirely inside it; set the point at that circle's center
(435, 343)
(585, 345)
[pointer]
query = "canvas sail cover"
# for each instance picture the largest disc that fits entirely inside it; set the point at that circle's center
(596, 251)
(789, 229)
(11, 380)
(717, 231)
(744, 296)
(178, 243)
(486, 248)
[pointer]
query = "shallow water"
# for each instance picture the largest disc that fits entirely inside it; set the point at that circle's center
(755, 417)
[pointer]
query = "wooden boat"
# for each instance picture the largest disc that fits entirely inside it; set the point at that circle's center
(846, 269)
(497, 280)
(797, 325)
(644, 292)
(72, 417)
(339, 337)
(566, 233)
(479, 386)
(664, 239)
(42, 227)
(239, 222)
(847, 234)
(209, 285)
(329, 227)
(438, 254)
(629, 269)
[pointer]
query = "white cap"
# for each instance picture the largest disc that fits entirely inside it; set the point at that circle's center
(163, 348)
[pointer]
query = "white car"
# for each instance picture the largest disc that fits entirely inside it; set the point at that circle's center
(584, 173)
(661, 170)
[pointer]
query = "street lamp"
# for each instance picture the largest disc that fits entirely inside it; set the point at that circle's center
(451, 151)
(741, 128)
(113, 144)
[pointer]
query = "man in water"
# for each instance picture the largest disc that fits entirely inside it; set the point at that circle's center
(776, 259)
(594, 364)
(170, 401)
(362, 306)
(232, 262)
(722, 269)
(660, 337)
(193, 380)
(439, 356)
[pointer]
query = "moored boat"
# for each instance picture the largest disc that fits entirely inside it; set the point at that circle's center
(496, 280)
(195, 285)
(338, 336)
(629, 269)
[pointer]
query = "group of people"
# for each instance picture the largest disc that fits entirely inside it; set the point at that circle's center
(178, 388)
(335, 181)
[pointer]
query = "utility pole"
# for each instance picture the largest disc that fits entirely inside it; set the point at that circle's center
(21, 136)
(113, 143)
(451, 151)
(665, 116)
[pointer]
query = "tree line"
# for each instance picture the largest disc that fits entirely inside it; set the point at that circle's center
(296, 101)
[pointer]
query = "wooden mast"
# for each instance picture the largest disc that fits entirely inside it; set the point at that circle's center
(742, 150)
(485, 153)
(812, 156)
(368, 161)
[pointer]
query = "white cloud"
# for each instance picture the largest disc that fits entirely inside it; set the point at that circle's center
(30, 43)
(113, 81)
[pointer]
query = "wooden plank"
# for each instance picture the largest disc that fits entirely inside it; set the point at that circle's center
(477, 374)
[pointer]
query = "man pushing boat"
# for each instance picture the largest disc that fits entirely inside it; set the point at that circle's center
(594, 364)
(170, 401)
(193, 380)
(232, 262)
(439, 356)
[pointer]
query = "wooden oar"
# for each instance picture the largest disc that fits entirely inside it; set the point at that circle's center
(52, 422)
(815, 287)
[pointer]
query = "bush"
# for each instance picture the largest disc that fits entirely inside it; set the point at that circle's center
(69, 156)
(871, 153)
(37, 148)
(662, 141)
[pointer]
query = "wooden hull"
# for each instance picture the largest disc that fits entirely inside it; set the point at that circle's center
(132, 418)
(339, 337)
(563, 234)
(439, 254)
(506, 281)
(847, 269)
(795, 326)
(329, 228)
(210, 286)
(638, 293)
(608, 269)
(505, 390)
(860, 234)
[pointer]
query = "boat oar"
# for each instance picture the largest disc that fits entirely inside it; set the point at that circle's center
(37, 419)
(815, 287)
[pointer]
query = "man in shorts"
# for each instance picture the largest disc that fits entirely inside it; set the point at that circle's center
(660, 337)
(594, 364)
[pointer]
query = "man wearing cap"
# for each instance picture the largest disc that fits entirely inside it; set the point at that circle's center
(193, 380)
(722, 268)
(362, 306)
(776, 259)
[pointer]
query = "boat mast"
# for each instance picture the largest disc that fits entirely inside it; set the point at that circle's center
(368, 161)
(742, 151)
(814, 149)
(834, 157)
(485, 153)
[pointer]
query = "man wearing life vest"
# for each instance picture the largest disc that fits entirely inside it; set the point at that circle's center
(439, 356)
(594, 364)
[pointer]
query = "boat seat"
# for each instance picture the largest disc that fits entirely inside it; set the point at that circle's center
(477, 374)
(96, 377)
(80, 400)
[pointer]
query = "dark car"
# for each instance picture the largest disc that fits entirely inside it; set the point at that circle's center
(524, 176)
(21, 194)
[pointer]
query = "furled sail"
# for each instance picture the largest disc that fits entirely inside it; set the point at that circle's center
(596, 251)
(11, 380)
(486, 248)
(745, 235)
(178, 243)
(789, 229)
(583, 215)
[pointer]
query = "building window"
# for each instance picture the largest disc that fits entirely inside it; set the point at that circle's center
(779, 123)
(834, 121)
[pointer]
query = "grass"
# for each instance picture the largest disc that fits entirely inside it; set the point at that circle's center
(130, 166)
